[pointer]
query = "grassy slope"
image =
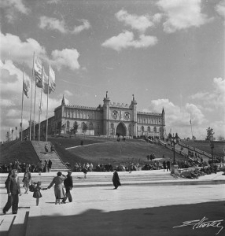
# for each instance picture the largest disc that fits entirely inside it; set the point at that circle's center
(205, 146)
(23, 151)
(104, 151)
(122, 152)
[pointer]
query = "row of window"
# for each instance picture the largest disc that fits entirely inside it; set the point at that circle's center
(148, 120)
(70, 113)
(90, 126)
(155, 129)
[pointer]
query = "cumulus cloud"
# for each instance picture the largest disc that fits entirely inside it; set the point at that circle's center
(220, 8)
(12, 7)
(178, 119)
(66, 57)
(140, 23)
(216, 98)
(55, 24)
(126, 39)
(182, 14)
(12, 48)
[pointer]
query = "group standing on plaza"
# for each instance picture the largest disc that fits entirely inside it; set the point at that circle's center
(59, 182)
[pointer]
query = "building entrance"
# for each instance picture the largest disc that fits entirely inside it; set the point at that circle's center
(121, 129)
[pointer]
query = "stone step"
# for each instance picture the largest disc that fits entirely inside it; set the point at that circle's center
(5, 224)
(39, 147)
(18, 227)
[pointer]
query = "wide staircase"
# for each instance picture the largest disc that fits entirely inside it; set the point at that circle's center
(57, 163)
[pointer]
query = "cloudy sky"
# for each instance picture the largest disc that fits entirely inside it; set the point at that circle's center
(168, 53)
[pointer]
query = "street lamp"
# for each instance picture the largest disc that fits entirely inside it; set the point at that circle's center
(212, 146)
(174, 140)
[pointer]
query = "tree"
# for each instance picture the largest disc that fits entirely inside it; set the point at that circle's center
(75, 127)
(210, 134)
(84, 128)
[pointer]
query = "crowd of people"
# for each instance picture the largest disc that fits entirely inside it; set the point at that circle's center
(21, 167)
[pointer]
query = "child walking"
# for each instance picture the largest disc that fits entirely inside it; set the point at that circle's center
(37, 192)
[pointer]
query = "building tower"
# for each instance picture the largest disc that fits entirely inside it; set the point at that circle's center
(106, 127)
(134, 116)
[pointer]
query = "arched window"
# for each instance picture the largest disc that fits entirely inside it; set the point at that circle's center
(68, 124)
(155, 129)
(149, 129)
(142, 128)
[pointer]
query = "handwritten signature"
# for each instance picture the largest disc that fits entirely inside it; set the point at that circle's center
(202, 224)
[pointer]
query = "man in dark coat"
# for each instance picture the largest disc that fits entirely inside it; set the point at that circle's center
(68, 183)
(116, 180)
(164, 165)
(13, 190)
(49, 165)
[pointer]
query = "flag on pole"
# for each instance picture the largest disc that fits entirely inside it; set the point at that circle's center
(45, 82)
(38, 72)
(40, 108)
(49, 81)
(52, 83)
(26, 85)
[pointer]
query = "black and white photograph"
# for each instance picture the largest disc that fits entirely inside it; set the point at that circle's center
(112, 117)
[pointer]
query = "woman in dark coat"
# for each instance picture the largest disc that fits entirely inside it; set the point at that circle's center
(116, 180)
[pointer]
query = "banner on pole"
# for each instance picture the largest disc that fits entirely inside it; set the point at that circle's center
(26, 85)
(38, 72)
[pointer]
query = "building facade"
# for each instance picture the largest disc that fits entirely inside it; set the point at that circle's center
(109, 119)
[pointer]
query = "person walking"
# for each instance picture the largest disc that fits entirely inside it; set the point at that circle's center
(49, 165)
(68, 183)
(116, 179)
(58, 188)
(37, 192)
(26, 180)
(168, 165)
(164, 165)
(46, 148)
(8, 203)
(13, 190)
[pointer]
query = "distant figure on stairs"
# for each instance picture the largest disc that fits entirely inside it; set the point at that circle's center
(45, 169)
(52, 148)
(49, 165)
(46, 147)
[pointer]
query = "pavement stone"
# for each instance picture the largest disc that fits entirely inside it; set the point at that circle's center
(101, 210)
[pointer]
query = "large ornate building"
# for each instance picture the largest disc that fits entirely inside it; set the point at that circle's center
(109, 119)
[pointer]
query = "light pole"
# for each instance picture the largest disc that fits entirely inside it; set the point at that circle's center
(174, 140)
(212, 147)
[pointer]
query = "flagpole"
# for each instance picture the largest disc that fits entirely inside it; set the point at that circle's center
(34, 107)
(39, 128)
(39, 121)
(22, 110)
(47, 111)
(31, 95)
